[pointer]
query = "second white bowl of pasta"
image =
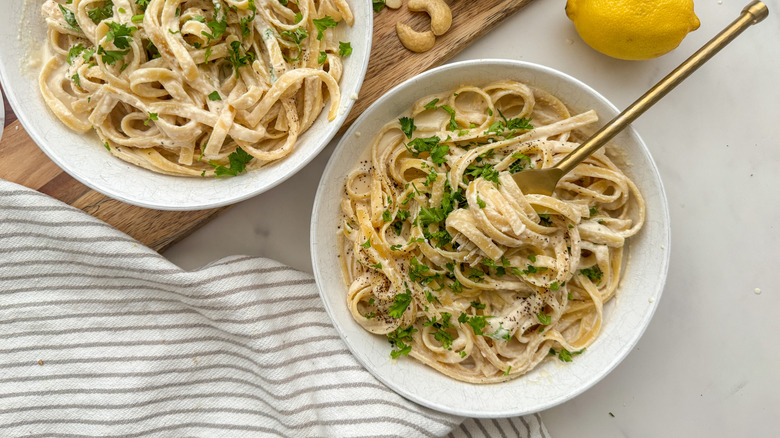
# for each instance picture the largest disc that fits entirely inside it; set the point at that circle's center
(186, 104)
(457, 290)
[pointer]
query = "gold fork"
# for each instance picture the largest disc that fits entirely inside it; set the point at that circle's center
(543, 181)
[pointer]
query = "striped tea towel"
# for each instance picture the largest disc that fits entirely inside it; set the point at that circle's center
(102, 336)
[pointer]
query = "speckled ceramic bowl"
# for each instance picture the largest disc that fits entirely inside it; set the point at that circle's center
(22, 34)
(552, 382)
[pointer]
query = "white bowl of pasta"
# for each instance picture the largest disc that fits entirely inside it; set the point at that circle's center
(455, 289)
(188, 104)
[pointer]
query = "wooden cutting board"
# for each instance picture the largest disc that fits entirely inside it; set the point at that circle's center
(390, 64)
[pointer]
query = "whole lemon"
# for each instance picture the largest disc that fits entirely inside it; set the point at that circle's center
(633, 29)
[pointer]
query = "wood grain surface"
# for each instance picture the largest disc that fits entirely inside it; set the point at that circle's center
(390, 64)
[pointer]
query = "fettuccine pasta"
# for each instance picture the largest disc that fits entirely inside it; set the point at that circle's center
(194, 87)
(444, 254)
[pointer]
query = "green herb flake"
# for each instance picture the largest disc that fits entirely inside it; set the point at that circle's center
(432, 104)
(477, 322)
(323, 23)
(480, 202)
(237, 163)
(400, 304)
(401, 339)
(367, 244)
(69, 17)
(543, 318)
(594, 273)
(322, 58)
(101, 13)
(74, 52)
(214, 96)
(554, 286)
(378, 5)
(407, 126)
(565, 355)
(149, 118)
(345, 49)
(236, 58)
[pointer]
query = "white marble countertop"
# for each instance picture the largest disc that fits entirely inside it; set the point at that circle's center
(708, 362)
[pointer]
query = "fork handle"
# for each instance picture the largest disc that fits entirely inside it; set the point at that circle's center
(751, 14)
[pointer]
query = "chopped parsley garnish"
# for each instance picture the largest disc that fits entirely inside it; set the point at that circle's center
(477, 305)
(237, 161)
(323, 23)
(569, 296)
(387, 216)
(395, 247)
(322, 58)
(246, 28)
(554, 286)
(218, 27)
(506, 373)
(76, 79)
(477, 322)
(480, 202)
(401, 339)
(429, 144)
(594, 273)
(236, 58)
(214, 96)
(431, 178)
(120, 34)
(296, 36)
(400, 304)
(565, 355)
(378, 5)
(485, 171)
(107, 146)
(511, 125)
(142, 4)
(345, 49)
(407, 126)
(149, 118)
(544, 219)
(419, 272)
(543, 318)
(441, 334)
(432, 104)
(74, 52)
(101, 13)
(69, 17)
(367, 244)
(431, 216)
(110, 57)
(137, 18)
(453, 125)
(520, 164)
(376, 266)
(593, 211)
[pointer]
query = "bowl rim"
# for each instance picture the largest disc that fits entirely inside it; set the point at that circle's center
(657, 291)
(334, 127)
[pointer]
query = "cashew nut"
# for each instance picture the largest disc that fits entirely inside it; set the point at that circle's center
(413, 40)
(393, 4)
(441, 15)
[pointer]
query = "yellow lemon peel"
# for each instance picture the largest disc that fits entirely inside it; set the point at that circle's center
(633, 29)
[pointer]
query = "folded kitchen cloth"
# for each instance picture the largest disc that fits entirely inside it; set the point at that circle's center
(102, 336)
